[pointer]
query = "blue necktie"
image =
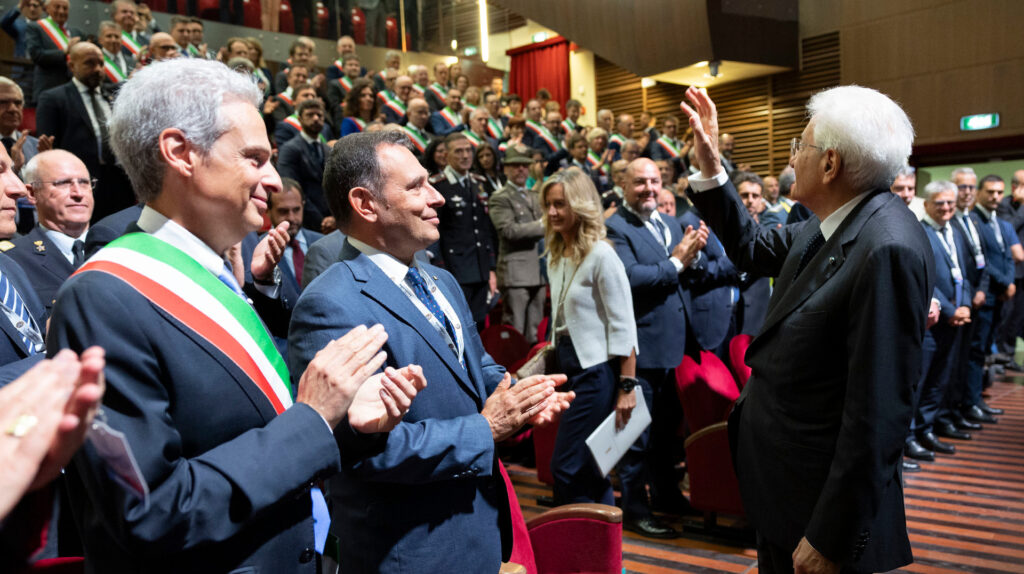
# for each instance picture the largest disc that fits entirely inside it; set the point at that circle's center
(13, 301)
(227, 277)
(419, 287)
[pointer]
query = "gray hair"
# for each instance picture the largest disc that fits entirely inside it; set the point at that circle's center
(963, 170)
(107, 25)
(871, 133)
(939, 186)
(30, 171)
(786, 180)
(906, 171)
(181, 93)
(5, 81)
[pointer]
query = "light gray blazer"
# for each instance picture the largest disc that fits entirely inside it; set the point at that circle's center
(598, 306)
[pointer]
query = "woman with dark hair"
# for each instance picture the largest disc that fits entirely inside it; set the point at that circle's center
(435, 157)
(485, 163)
(262, 71)
(360, 107)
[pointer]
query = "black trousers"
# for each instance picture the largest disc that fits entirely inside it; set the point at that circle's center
(773, 559)
(938, 373)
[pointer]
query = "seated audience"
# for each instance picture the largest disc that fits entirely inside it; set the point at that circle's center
(360, 107)
(302, 159)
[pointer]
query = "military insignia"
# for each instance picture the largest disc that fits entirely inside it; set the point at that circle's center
(6, 245)
(40, 247)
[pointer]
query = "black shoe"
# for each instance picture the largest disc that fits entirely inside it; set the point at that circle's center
(1014, 366)
(910, 466)
(964, 424)
(932, 443)
(650, 527)
(1000, 358)
(975, 414)
(677, 505)
(987, 409)
(994, 371)
(913, 449)
(949, 430)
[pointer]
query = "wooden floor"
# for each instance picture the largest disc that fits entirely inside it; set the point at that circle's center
(965, 512)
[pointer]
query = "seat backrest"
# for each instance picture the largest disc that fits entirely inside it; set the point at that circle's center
(577, 543)
(505, 345)
(737, 358)
(706, 391)
(522, 549)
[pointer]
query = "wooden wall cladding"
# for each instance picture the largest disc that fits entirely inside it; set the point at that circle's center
(763, 114)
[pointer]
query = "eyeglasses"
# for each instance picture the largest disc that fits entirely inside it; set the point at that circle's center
(966, 187)
(943, 202)
(796, 144)
(65, 184)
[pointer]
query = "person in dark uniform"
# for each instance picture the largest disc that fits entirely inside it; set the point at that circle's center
(467, 248)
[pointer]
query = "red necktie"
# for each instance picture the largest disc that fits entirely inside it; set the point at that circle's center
(298, 259)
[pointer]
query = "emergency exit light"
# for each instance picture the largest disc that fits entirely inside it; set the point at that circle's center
(979, 122)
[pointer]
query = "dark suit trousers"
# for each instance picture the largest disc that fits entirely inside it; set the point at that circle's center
(1012, 323)
(577, 477)
(773, 559)
(956, 391)
(981, 346)
(938, 372)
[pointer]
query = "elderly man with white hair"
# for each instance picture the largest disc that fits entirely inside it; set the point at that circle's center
(227, 459)
(817, 436)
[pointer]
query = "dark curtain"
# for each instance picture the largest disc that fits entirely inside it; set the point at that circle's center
(541, 65)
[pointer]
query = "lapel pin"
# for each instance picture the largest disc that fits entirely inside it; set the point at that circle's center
(831, 260)
(39, 246)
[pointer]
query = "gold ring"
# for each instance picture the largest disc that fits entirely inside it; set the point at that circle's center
(21, 425)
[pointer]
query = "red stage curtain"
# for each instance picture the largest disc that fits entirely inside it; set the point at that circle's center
(541, 65)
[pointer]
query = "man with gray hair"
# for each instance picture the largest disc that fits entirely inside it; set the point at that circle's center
(817, 437)
(905, 186)
(227, 460)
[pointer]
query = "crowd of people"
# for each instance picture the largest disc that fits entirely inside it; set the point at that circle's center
(333, 361)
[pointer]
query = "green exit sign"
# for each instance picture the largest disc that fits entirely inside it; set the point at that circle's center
(979, 122)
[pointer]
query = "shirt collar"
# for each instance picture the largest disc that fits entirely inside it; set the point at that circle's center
(392, 267)
(989, 215)
(630, 209)
(935, 224)
(64, 243)
(453, 176)
(158, 225)
(832, 222)
(82, 88)
(306, 137)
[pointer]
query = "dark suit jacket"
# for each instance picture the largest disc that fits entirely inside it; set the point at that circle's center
(978, 278)
(712, 285)
(661, 305)
(290, 285)
(440, 127)
(322, 254)
(229, 478)
(428, 496)
(1013, 213)
(11, 346)
(466, 232)
(62, 114)
(51, 62)
(819, 429)
(295, 160)
(45, 265)
(998, 259)
(110, 228)
(945, 286)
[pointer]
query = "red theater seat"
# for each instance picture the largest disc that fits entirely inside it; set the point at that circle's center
(286, 20)
(252, 14)
(505, 345)
(737, 353)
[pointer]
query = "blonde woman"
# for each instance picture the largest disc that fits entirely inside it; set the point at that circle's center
(594, 331)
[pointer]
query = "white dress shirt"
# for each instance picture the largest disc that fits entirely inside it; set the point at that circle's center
(65, 243)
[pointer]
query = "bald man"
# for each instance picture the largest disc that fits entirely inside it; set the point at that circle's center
(163, 47)
(75, 115)
(394, 103)
(416, 126)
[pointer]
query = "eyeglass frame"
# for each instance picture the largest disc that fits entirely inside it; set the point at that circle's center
(66, 183)
(796, 144)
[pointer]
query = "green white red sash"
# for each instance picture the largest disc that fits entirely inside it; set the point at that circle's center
(450, 117)
(544, 134)
(286, 96)
(469, 107)
(193, 51)
(494, 128)
(293, 120)
(360, 123)
(419, 90)
(594, 161)
(346, 83)
(55, 32)
(340, 66)
(186, 290)
(669, 146)
(128, 42)
(439, 91)
(616, 139)
(112, 70)
(418, 140)
(392, 102)
(473, 138)
(569, 126)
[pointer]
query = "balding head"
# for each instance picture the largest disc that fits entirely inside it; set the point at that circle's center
(163, 47)
(604, 120)
(624, 125)
(60, 186)
(85, 60)
(403, 86)
(418, 112)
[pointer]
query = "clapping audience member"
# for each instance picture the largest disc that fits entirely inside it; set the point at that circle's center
(594, 331)
(20, 146)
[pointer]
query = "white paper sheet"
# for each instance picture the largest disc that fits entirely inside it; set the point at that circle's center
(608, 445)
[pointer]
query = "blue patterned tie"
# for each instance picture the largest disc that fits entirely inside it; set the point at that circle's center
(13, 301)
(227, 277)
(419, 287)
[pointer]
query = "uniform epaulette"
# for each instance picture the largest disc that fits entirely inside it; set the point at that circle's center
(6, 245)
(437, 178)
(479, 178)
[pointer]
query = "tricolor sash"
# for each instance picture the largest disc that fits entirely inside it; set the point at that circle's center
(450, 117)
(193, 51)
(286, 96)
(594, 161)
(439, 91)
(419, 90)
(202, 303)
(346, 83)
(544, 134)
(112, 70)
(418, 140)
(340, 66)
(55, 32)
(469, 107)
(569, 126)
(293, 120)
(502, 147)
(616, 139)
(128, 42)
(473, 138)
(392, 102)
(360, 123)
(669, 146)
(494, 128)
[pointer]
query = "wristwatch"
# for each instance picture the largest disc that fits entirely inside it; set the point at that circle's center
(275, 278)
(627, 384)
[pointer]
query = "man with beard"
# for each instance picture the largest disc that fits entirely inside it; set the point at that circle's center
(302, 159)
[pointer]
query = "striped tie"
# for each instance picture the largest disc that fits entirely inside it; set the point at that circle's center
(13, 301)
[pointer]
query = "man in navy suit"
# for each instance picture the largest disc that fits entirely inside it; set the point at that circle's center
(61, 189)
(656, 254)
(75, 115)
(302, 159)
(193, 380)
(426, 497)
(49, 48)
(997, 237)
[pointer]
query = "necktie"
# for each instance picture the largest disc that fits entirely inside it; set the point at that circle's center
(227, 277)
(78, 253)
(8, 143)
(958, 280)
(994, 224)
(101, 120)
(298, 259)
(315, 147)
(661, 230)
(813, 247)
(13, 301)
(419, 287)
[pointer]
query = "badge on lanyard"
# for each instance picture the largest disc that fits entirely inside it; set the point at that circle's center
(957, 276)
(979, 260)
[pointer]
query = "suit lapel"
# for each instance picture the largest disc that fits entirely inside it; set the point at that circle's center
(76, 103)
(53, 260)
(634, 221)
(379, 287)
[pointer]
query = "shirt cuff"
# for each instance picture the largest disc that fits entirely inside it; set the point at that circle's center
(271, 291)
(676, 263)
(700, 183)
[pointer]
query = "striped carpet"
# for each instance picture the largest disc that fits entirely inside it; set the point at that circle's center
(965, 512)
